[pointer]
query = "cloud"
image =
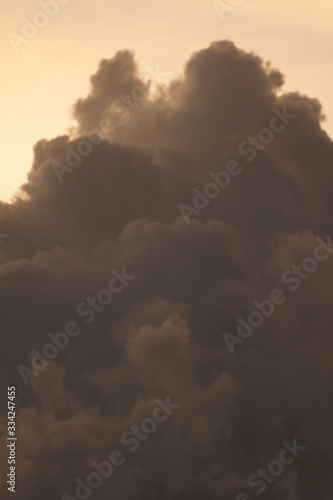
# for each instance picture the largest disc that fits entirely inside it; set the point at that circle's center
(164, 335)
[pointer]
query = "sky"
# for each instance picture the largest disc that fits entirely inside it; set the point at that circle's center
(166, 266)
(44, 77)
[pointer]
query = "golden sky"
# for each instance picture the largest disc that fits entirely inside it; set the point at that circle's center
(43, 78)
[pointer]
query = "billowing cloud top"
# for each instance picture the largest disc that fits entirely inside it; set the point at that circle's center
(192, 203)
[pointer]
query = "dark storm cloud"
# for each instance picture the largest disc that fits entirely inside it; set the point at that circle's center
(162, 336)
